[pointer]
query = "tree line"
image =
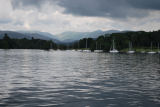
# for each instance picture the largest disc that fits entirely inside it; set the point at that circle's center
(139, 39)
(7, 43)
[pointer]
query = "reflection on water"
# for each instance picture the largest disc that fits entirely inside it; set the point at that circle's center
(66, 78)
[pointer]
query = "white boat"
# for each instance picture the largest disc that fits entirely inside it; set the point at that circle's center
(80, 50)
(151, 52)
(130, 52)
(98, 50)
(130, 48)
(113, 50)
(73, 50)
(86, 50)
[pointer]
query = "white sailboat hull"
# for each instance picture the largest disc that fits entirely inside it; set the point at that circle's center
(130, 52)
(114, 51)
(73, 50)
(151, 52)
(86, 50)
(98, 51)
(79, 50)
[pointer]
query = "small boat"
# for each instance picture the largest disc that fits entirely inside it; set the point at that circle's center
(80, 50)
(98, 50)
(113, 48)
(130, 48)
(130, 52)
(151, 52)
(114, 51)
(73, 50)
(86, 50)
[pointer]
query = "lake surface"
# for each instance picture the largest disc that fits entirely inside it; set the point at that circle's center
(31, 78)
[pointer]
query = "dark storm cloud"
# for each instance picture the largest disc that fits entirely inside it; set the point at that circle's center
(111, 8)
(98, 8)
(145, 4)
(95, 7)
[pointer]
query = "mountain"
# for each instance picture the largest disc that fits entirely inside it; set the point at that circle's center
(44, 34)
(29, 35)
(64, 37)
(73, 36)
(13, 34)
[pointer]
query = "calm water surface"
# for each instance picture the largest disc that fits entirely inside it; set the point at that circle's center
(31, 78)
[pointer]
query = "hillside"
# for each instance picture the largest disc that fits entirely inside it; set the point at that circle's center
(73, 36)
(28, 35)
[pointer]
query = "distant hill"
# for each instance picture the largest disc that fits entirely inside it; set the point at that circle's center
(64, 37)
(73, 36)
(29, 35)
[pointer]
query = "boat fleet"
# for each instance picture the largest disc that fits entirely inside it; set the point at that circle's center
(114, 50)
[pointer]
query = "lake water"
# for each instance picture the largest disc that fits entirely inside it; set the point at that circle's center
(31, 78)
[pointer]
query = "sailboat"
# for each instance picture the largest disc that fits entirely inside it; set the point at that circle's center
(151, 52)
(86, 50)
(98, 50)
(130, 48)
(113, 48)
(79, 50)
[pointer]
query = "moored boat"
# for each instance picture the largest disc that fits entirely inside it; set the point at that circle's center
(151, 52)
(130, 48)
(113, 50)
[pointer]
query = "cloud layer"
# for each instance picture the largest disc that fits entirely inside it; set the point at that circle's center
(56, 16)
(97, 8)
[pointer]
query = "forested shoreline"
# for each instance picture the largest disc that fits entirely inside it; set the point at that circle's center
(8, 43)
(140, 40)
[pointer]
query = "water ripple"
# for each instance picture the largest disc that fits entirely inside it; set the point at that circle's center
(66, 78)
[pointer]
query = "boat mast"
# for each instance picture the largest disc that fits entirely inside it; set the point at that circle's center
(86, 43)
(113, 45)
(130, 46)
(96, 45)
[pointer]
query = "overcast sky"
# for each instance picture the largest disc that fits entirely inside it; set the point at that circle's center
(56, 16)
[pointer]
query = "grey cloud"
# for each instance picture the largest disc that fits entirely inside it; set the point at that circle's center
(26, 3)
(110, 8)
(95, 7)
(98, 8)
(145, 4)
(5, 21)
